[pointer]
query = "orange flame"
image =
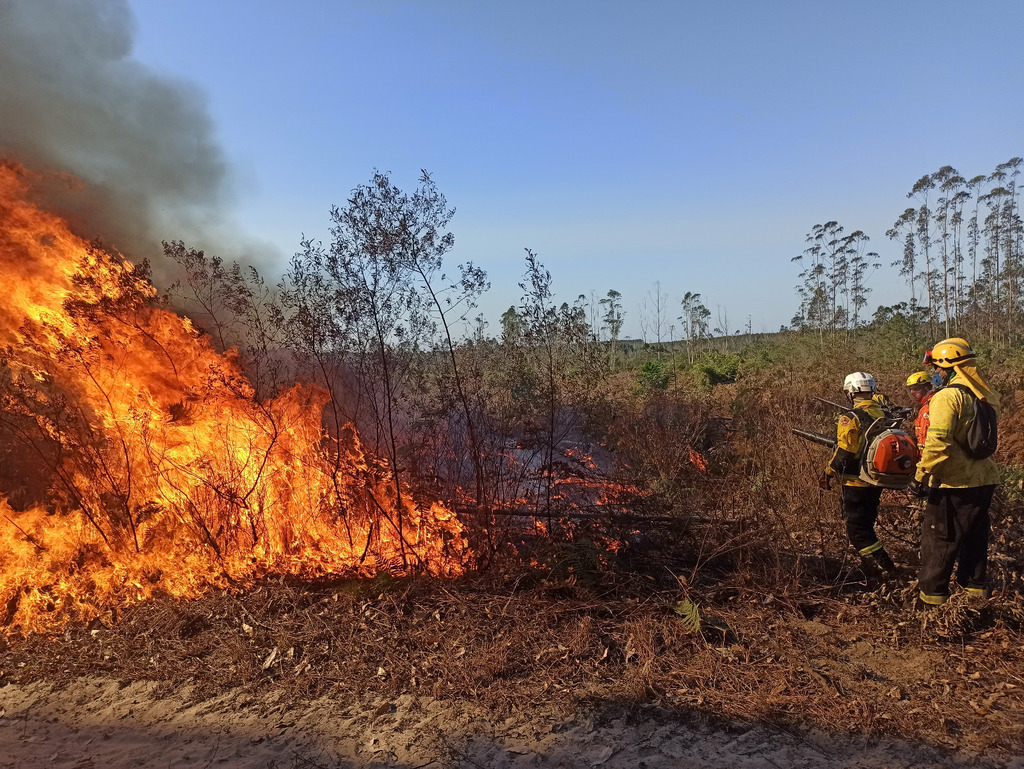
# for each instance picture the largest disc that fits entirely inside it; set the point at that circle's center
(166, 475)
(698, 461)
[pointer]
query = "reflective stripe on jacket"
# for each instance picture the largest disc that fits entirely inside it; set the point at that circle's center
(943, 461)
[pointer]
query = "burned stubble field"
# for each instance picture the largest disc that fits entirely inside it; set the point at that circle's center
(522, 644)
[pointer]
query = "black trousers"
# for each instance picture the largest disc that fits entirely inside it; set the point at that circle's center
(956, 528)
(860, 511)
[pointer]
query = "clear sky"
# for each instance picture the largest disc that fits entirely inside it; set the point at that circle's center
(693, 144)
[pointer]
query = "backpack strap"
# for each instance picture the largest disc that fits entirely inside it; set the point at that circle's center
(966, 389)
(864, 423)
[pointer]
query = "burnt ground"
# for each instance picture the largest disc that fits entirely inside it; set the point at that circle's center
(617, 647)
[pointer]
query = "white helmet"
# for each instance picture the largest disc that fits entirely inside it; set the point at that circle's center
(859, 382)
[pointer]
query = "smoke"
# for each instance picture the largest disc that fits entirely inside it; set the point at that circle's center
(72, 99)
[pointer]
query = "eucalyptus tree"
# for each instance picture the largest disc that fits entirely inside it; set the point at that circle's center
(811, 288)
(995, 241)
(993, 235)
(976, 188)
(1013, 234)
(961, 288)
(612, 320)
(823, 278)
(949, 182)
(921, 192)
(904, 232)
(860, 265)
(594, 316)
(694, 320)
(833, 286)
(559, 367)
(579, 335)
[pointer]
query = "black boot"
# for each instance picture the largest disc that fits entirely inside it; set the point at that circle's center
(884, 562)
(879, 568)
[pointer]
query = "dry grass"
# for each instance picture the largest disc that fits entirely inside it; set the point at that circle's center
(858, 664)
(790, 632)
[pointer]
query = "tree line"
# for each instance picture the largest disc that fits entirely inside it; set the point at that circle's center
(960, 255)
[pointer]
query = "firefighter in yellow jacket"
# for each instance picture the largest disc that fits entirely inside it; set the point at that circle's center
(958, 488)
(860, 500)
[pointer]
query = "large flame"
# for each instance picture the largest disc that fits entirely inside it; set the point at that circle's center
(164, 473)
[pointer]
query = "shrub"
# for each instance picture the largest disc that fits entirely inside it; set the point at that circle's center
(713, 368)
(653, 377)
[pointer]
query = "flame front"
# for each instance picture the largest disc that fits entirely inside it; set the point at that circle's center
(164, 473)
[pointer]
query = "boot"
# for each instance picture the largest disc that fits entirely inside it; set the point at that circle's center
(884, 562)
(917, 605)
(878, 567)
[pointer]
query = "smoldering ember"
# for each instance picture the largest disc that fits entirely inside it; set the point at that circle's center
(300, 521)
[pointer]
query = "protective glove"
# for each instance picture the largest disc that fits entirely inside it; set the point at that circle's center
(918, 489)
(825, 482)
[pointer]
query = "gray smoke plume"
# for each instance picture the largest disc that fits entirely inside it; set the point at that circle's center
(72, 99)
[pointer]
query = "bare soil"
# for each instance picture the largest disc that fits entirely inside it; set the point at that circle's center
(523, 669)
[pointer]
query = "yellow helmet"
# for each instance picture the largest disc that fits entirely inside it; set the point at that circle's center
(952, 352)
(919, 378)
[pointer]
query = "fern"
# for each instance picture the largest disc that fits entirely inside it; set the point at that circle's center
(690, 614)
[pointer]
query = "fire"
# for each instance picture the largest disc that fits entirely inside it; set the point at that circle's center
(163, 473)
(697, 460)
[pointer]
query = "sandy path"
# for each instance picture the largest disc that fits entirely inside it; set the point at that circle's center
(97, 724)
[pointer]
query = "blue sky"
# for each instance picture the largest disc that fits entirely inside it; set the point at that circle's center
(689, 144)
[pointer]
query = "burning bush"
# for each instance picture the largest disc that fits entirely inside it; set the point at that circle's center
(153, 466)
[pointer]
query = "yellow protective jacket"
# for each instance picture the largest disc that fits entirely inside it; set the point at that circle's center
(943, 461)
(845, 461)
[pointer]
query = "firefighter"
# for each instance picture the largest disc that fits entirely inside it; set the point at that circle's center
(919, 385)
(958, 488)
(860, 500)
